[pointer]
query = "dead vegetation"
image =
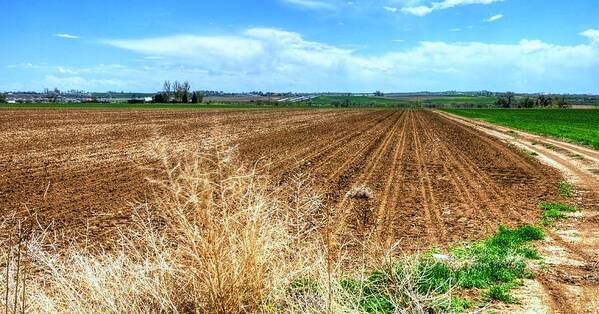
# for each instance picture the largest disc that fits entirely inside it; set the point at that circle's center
(360, 192)
(214, 238)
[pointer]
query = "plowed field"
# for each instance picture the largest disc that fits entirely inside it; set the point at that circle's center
(434, 181)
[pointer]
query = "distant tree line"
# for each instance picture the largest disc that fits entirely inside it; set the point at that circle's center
(509, 100)
(177, 92)
(2, 98)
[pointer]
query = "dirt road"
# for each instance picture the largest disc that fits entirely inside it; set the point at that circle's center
(572, 248)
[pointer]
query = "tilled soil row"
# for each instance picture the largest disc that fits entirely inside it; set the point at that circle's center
(434, 181)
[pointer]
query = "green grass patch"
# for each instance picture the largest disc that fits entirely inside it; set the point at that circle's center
(494, 265)
(565, 189)
(501, 293)
(554, 211)
(576, 125)
(488, 268)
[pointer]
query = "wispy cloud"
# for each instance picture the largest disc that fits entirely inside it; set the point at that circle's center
(390, 9)
(494, 18)
(311, 4)
(65, 35)
(423, 10)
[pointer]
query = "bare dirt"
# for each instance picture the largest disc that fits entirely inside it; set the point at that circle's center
(434, 180)
(572, 246)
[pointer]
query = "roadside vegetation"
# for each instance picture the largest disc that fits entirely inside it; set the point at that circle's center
(554, 211)
(578, 126)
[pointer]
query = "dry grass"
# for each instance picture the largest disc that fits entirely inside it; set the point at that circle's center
(217, 237)
(360, 192)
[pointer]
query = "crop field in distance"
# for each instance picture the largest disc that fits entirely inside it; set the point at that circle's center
(580, 126)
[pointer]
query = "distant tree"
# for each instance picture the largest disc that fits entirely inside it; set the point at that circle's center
(197, 97)
(160, 98)
(167, 87)
(378, 93)
(500, 102)
(176, 87)
(526, 102)
(543, 101)
(506, 100)
(560, 102)
(2, 98)
(185, 87)
(53, 97)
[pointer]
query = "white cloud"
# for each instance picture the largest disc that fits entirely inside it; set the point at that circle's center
(455, 29)
(65, 36)
(446, 4)
(494, 18)
(418, 11)
(390, 9)
(266, 58)
(592, 34)
(311, 4)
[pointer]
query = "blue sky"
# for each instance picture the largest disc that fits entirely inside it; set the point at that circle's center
(302, 45)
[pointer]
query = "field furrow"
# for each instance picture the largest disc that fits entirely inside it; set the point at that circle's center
(433, 181)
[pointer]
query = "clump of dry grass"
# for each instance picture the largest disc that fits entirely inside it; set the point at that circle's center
(217, 237)
(360, 192)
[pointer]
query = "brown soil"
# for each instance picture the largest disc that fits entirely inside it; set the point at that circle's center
(434, 180)
(572, 247)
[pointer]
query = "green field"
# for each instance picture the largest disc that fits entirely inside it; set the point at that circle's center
(356, 101)
(580, 126)
(482, 101)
